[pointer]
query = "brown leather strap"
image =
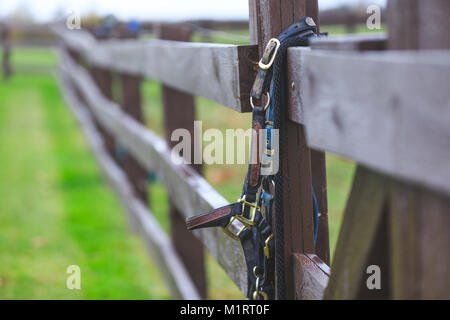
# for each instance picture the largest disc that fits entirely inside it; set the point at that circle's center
(219, 217)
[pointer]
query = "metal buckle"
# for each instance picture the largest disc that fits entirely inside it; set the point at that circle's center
(231, 234)
(248, 222)
(266, 66)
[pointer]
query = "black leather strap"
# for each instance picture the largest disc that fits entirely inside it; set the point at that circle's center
(253, 242)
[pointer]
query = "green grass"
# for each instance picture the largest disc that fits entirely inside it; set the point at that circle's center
(341, 29)
(36, 56)
(55, 211)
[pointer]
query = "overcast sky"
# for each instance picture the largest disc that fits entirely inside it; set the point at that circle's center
(44, 10)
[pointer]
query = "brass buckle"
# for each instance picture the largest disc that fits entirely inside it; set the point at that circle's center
(231, 234)
(266, 66)
(247, 223)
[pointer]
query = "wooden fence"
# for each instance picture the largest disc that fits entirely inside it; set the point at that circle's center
(376, 99)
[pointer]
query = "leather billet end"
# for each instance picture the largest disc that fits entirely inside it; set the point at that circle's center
(214, 218)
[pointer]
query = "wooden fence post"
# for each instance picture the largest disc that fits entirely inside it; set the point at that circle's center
(179, 112)
(131, 104)
(103, 79)
(267, 20)
(6, 44)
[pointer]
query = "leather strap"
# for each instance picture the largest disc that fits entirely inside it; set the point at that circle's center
(253, 177)
(306, 27)
(219, 217)
(253, 241)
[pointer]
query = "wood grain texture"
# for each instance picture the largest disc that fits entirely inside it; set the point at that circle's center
(319, 183)
(420, 242)
(296, 63)
(351, 42)
(357, 244)
(374, 114)
(158, 244)
(310, 280)
(192, 192)
(270, 19)
(419, 218)
(219, 72)
(418, 24)
(318, 166)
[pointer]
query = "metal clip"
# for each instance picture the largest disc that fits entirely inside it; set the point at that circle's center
(270, 191)
(266, 246)
(266, 66)
(258, 293)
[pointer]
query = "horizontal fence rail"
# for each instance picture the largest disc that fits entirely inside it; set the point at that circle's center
(192, 192)
(220, 72)
(387, 110)
(189, 66)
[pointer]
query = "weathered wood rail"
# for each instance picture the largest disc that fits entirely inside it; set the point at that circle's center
(355, 96)
(142, 219)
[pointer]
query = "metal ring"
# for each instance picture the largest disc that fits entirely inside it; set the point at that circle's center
(267, 66)
(257, 272)
(267, 104)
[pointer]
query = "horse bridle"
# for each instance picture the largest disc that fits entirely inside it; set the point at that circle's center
(252, 213)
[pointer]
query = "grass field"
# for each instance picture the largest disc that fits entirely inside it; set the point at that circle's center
(56, 211)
